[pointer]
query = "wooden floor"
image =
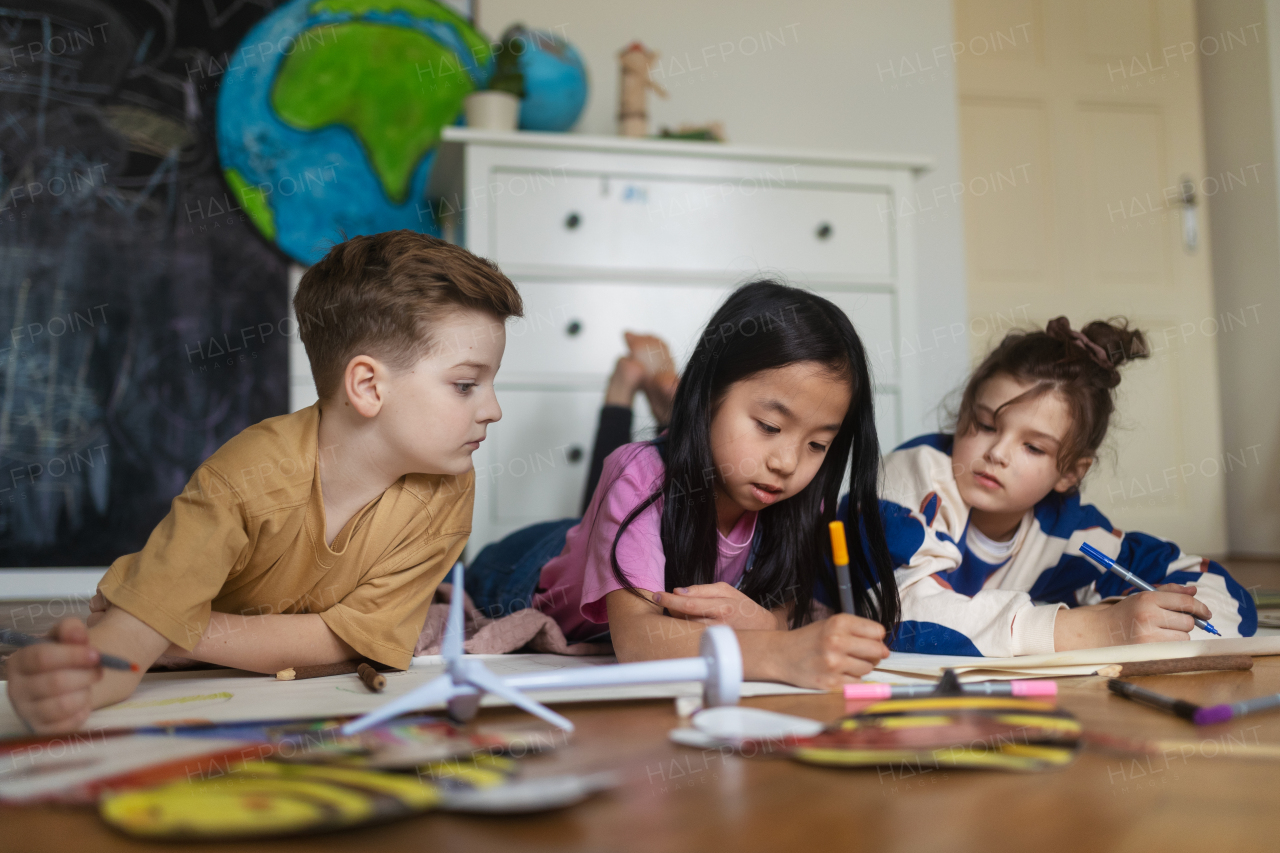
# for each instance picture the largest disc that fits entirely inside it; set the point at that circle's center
(1199, 795)
(1255, 573)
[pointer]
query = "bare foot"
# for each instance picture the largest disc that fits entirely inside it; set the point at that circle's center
(628, 375)
(660, 379)
(652, 352)
(661, 393)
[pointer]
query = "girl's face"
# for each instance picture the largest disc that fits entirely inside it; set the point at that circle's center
(771, 431)
(1007, 465)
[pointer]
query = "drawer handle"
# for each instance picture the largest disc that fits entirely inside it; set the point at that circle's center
(824, 231)
(572, 221)
(574, 455)
(573, 328)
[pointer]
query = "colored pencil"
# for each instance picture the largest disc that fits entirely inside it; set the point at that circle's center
(372, 679)
(20, 640)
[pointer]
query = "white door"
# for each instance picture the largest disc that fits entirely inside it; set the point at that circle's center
(1079, 121)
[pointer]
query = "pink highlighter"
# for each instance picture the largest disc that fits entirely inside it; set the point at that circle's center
(867, 690)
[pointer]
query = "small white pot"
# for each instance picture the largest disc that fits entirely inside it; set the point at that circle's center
(491, 110)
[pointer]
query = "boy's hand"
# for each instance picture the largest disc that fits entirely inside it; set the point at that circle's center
(830, 653)
(50, 683)
(717, 604)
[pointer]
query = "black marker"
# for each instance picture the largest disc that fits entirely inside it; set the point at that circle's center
(1178, 707)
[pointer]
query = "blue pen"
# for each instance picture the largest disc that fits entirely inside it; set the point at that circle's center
(1102, 560)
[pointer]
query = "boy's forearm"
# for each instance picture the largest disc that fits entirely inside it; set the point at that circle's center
(267, 643)
(120, 633)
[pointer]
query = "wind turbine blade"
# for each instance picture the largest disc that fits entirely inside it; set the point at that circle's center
(490, 683)
(454, 629)
(434, 691)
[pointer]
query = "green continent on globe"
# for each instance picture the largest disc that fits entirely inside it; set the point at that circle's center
(370, 78)
(254, 202)
(431, 10)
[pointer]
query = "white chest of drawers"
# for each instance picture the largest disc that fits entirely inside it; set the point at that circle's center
(604, 234)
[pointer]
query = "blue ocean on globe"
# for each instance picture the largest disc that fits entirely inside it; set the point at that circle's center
(555, 82)
(366, 86)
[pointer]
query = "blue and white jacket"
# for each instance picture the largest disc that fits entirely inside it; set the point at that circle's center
(958, 599)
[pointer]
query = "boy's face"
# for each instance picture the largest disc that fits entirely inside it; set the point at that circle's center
(437, 411)
(1009, 464)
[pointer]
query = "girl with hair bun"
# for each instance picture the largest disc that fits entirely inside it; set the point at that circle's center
(984, 525)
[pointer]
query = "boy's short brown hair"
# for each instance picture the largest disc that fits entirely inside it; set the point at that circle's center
(380, 294)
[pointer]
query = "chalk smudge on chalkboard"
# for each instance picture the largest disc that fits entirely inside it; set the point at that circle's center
(115, 274)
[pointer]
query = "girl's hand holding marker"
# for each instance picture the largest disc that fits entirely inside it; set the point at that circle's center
(1157, 612)
(830, 652)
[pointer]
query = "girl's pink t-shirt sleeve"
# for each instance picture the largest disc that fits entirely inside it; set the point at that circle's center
(574, 584)
(640, 549)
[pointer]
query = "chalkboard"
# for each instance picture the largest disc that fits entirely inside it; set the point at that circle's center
(142, 320)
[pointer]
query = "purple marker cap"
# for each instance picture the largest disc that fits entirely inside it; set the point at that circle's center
(1213, 714)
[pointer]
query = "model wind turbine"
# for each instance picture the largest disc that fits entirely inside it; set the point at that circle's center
(466, 678)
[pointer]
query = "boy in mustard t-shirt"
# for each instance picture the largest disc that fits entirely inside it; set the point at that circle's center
(318, 536)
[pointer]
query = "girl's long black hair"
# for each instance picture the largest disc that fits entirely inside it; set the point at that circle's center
(762, 326)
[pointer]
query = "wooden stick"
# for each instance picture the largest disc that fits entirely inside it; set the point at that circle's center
(1184, 748)
(297, 673)
(1194, 664)
(371, 677)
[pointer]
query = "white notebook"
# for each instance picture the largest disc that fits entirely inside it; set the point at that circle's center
(231, 695)
(1058, 664)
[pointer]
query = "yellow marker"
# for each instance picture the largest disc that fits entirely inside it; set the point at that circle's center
(840, 555)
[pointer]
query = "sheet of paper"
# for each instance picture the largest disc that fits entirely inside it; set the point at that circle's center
(1078, 662)
(223, 696)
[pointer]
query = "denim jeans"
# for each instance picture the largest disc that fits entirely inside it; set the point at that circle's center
(504, 575)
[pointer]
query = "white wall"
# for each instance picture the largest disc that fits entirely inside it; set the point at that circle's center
(848, 75)
(1241, 92)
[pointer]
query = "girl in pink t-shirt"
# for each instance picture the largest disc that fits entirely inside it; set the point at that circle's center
(723, 519)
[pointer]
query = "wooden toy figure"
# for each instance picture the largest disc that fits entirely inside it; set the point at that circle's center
(633, 114)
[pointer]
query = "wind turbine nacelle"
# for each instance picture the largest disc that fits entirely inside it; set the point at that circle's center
(720, 649)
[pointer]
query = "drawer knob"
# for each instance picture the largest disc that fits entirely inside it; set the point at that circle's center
(575, 454)
(574, 327)
(824, 231)
(572, 221)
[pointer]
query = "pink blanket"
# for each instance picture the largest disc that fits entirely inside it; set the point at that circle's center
(487, 636)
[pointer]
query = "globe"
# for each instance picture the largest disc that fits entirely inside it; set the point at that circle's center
(555, 82)
(329, 113)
